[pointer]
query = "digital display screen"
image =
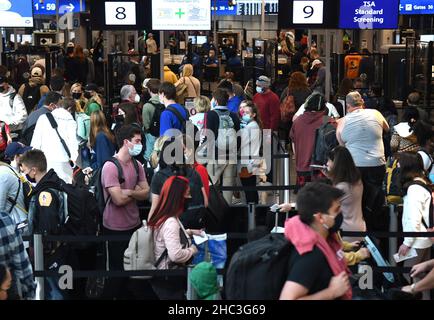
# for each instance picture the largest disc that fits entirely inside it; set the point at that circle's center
(201, 39)
(16, 13)
(181, 15)
(48, 7)
(416, 7)
(245, 7)
(378, 14)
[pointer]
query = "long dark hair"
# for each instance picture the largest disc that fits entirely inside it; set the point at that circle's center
(411, 167)
(344, 168)
(171, 202)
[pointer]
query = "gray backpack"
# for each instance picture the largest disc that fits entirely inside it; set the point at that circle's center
(226, 134)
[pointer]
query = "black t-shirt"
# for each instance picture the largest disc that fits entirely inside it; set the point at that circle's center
(196, 185)
(310, 270)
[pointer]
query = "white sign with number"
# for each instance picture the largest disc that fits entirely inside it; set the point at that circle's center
(120, 13)
(308, 12)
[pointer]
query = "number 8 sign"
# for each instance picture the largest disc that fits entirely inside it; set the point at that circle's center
(308, 12)
(120, 13)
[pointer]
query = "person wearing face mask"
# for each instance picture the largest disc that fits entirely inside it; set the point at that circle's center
(44, 211)
(52, 100)
(121, 214)
(268, 103)
(94, 102)
(173, 245)
(59, 145)
(77, 94)
(14, 188)
(12, 108)
(317, 269)
(251, 138)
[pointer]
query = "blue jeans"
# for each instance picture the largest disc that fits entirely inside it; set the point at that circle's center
(150, 141)
(52, 290)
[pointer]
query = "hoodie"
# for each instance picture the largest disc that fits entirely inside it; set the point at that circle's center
(12, 109)
(303, 136)
(169, 76)
(203, 278)
(304, 239)
(403, 139)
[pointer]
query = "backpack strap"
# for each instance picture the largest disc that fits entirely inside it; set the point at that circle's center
(431, 206)
(13, 201)
(11, 99)
(178, 116)
(430, 159)
(3, 130)
(54, 126)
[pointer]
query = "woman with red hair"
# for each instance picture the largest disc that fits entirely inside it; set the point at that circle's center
(172, 242)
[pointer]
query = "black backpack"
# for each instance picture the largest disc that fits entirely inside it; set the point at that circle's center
(82, 209)
(31, 96)
(27, 135)
(154, 128)
(258, 270)
(98, 188)
(325, 141)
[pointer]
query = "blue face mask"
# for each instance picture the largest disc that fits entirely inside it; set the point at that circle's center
(246, 118)
(213, 104)
(136, 150)
(259, 90)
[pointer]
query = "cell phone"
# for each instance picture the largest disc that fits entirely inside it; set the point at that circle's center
(318, 166)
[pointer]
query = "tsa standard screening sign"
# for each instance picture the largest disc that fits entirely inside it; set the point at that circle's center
(181, 15)
(377, 14)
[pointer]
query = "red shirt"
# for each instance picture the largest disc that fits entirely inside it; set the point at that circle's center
(269, 109)
(201, 170)
(4, 140)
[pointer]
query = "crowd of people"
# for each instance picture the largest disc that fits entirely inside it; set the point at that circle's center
(62, 133)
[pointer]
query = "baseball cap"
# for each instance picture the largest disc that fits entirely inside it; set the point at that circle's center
(91, 87)
(70, 45)
(15, 148)
(145, 82)
(315, 62)
(264, 81)
(36, 72)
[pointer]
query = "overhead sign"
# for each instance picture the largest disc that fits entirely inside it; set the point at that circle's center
(120, 13)
(244, 7)
(416, 7)
(16, 13)
(181, 15)
(377, 14)
(319, 14)
(48, 7)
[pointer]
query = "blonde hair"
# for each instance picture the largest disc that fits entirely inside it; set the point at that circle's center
(158, 147)
(187, 71)
(75, 86)
(98, 124)
(202, 104)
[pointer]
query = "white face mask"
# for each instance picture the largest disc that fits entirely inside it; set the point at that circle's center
(137, 98)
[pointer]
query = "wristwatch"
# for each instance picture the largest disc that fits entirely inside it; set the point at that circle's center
(412, 287)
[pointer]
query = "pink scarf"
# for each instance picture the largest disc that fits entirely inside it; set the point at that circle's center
(305, 238)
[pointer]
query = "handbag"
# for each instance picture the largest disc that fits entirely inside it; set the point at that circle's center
(287, 108)
(181, 92)
(217, 209)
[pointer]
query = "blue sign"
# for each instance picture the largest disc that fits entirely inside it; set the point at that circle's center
(49, 6)
(376, 14)
(416, 7)
(16, 13)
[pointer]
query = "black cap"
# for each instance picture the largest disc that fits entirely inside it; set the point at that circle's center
(91, 87)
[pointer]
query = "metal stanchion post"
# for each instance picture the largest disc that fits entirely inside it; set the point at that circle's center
(251, 216)
(39, 264)
(286, 181)
(393, 227)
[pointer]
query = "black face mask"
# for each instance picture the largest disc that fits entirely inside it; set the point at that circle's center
(2, 89)
(76, 95)
(31, 180)
(87, 95)
(338, 223)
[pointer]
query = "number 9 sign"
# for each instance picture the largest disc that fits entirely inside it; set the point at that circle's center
(308, 12)
(120, 13)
